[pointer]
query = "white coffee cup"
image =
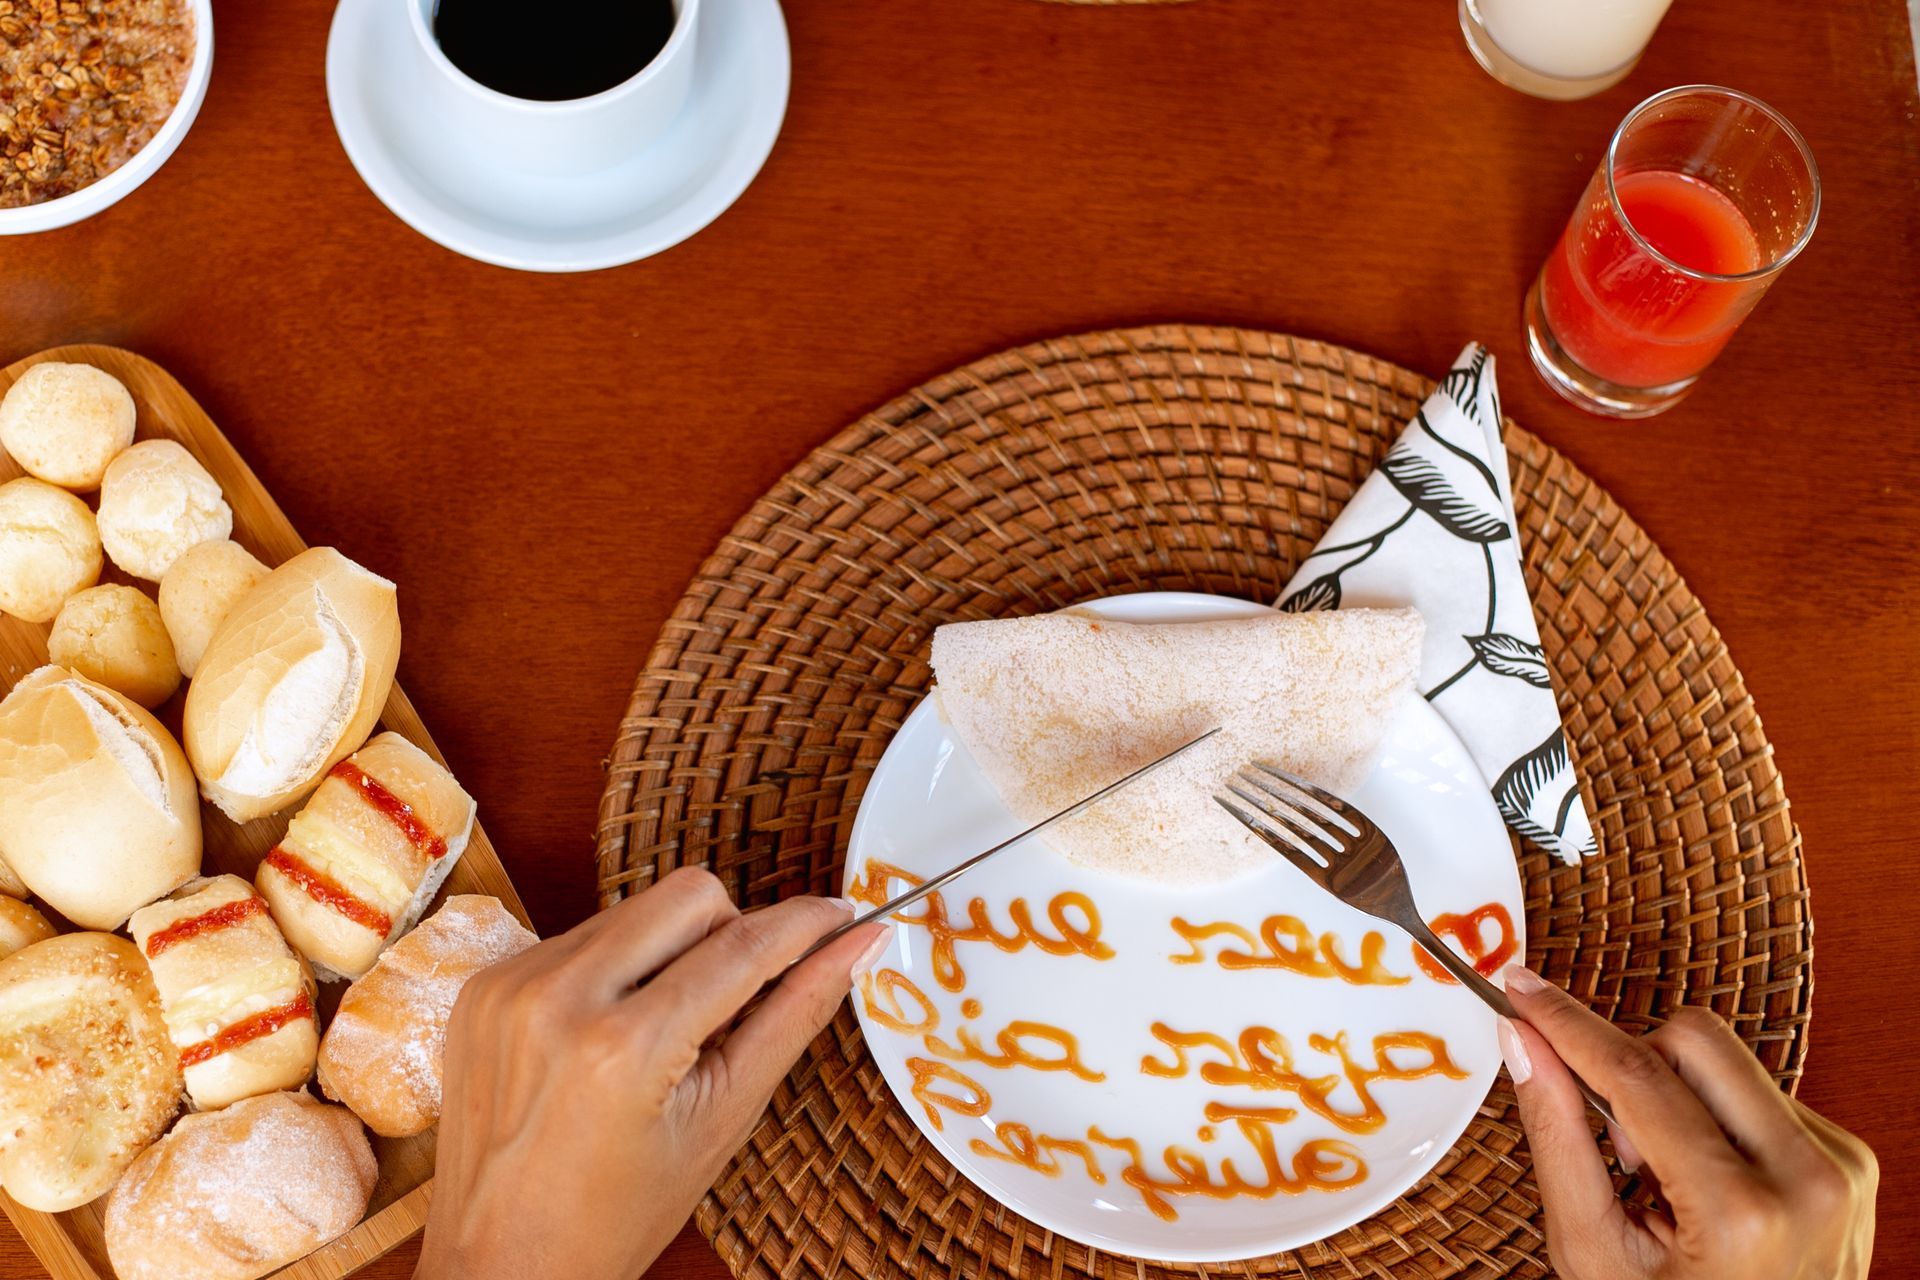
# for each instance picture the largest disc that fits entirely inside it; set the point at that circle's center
(572, 136)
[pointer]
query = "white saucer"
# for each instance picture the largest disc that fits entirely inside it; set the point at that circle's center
(449, 188)
(928, 806)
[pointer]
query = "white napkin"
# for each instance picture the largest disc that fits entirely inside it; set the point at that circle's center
(1433, 527)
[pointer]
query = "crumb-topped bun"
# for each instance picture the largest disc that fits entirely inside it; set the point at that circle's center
(293, 680)
(87, 1078)
(113, 635)
(238, 1002)
(200, 588)
(65, 422)
(383, 1051)
(21, 926)
(97, 810)
(49, 548)
(235, 1194)
(363, 859)
(156, 500)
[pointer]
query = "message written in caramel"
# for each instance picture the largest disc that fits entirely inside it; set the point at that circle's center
(1321, 1164)
(1285, 942)
(1036, 1046)
(1070, 936)
(1261, 1059)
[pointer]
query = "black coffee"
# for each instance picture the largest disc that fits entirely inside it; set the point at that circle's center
(600, 44)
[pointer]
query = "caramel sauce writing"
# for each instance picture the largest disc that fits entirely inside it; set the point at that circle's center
(1473, 942)
(1018, 1145)
(1285, 942)
(887, 993)
(1070, 937)
(1262, 1060)
(888, 985)
(1012, 1052)
(929, 1072)
(1323, 1164)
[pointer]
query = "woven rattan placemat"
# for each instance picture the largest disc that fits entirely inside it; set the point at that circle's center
(1172, 458)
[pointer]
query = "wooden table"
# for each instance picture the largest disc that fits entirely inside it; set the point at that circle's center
(543, 461)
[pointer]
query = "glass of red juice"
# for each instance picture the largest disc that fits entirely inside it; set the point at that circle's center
(1705, 195)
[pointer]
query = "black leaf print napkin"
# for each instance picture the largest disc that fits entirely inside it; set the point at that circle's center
(1433, 528)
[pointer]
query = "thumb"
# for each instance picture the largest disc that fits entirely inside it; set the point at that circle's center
(1587, 1227)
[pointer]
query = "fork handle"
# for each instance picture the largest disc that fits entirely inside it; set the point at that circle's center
(1496, 999)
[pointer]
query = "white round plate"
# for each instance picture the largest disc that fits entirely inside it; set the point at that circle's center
(928, 807)
(453, 189)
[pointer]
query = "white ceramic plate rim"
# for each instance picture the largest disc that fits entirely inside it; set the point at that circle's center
(146, 162)
(1353, 1207)
(759, 22)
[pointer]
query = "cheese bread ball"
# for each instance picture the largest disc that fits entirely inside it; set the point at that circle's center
(155, 502)
(20, 926)
(65, 422)
(113, 635)
(49, 548)
(201, 586)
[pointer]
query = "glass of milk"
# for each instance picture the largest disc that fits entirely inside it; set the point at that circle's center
(1559, 48)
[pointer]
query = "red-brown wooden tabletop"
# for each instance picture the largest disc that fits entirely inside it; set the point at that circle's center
(542, 461)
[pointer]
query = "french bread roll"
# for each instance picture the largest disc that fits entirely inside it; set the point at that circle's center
(361, 862)
(293, 679)
(235, 1194)
(383, 1051)
(87, 1078)
(21, 926)
(97, 810)
(238, 1002)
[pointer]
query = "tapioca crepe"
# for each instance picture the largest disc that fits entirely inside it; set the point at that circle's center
(1054, 707)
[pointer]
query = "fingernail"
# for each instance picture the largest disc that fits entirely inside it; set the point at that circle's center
(847, 905)
(1514, 1050)
(1524, 980)
(1625, 1154)
(871, 955)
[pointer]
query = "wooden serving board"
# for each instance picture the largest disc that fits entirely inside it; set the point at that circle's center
(71, 1244)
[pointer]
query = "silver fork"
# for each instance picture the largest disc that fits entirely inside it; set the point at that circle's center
(1340, 849)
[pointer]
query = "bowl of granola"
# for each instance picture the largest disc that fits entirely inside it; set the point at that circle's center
(94, 96)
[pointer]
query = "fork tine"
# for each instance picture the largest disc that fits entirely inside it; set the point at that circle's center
(1301, 860)
(1281, 809)
(1318, 800)
(1285, 822)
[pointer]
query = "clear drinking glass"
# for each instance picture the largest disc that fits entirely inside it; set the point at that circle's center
(1704, 195)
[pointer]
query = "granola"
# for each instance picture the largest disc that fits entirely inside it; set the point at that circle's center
(83, 85)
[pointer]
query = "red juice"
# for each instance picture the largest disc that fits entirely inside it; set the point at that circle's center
(1625, 316)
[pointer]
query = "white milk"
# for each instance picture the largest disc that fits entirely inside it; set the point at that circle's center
(1571, 39)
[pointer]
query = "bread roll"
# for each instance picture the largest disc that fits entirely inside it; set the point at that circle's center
(238, 1193)
(113, 636)
(238, 1002)
(87, 1078)
(200, 588)
(65, 422)
(383, 1050)
(366, 855)
(49, 548)
(97, 811)
(21, 926)
(293, 680)
(156, 500)
(10, 882)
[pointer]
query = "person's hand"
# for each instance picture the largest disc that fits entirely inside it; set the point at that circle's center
(1756, 1186)
(589, 1101)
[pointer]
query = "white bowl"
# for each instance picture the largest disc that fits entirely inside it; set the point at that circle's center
(115, 187)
